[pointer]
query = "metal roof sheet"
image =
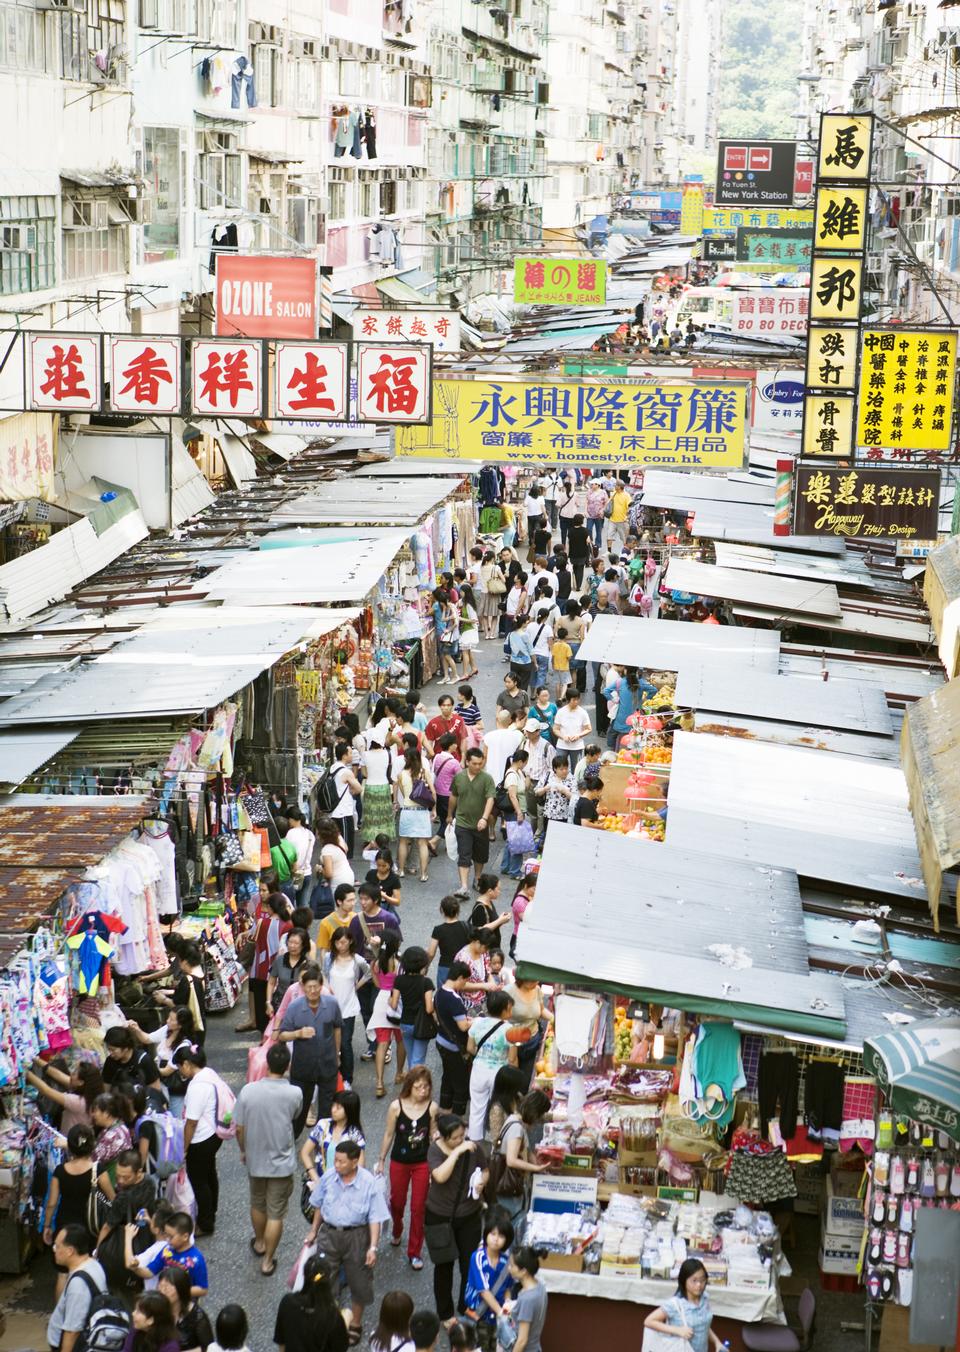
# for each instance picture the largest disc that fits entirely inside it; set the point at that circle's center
(832, 818)
(188, 659)
(851, 571)
(930, 741)
(787, 597)
(309, 574)
(848, 622)
(896, 678)
(347, 502)
(23, 752)
(696, 489)
(577, 932)
(711, 524)
(800, 735)
(418, 469)
(846, 704)
(667, 644)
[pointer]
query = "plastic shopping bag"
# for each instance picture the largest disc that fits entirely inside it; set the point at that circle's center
(450, 840)
(295, 1280)
(180, 1193)
(520, 837)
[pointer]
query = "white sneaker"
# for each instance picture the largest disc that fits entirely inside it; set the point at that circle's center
(347, 1085)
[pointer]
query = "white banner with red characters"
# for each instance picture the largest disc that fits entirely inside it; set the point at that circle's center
(226, 377)
(394, 383)
(311, 381)
(440, 328)
(26, 457)
(769, 310)
(144, 375)
(63, 372)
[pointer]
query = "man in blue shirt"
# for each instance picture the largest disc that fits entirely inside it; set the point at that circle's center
(350, 1209)
(312, 1023)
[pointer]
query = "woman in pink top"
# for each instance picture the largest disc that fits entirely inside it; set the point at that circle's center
(76, 1098)
(520, 902)
(446, 764)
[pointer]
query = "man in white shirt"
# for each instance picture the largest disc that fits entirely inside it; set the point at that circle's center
(72, 1250)
(499, 745)
(537, 575)
(350, 789)
(303, 841)
(540, 633)
(571, 725)
(549, 485)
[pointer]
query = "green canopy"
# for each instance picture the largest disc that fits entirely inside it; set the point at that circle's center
(918, 1069)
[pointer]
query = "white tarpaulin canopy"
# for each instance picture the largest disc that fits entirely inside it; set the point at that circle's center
(309, 574)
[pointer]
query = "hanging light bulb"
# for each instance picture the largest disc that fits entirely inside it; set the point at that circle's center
(659, 1046)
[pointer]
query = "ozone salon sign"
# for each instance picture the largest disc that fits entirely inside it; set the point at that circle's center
(266, 297)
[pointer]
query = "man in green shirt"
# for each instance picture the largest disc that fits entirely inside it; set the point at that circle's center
(471, 802)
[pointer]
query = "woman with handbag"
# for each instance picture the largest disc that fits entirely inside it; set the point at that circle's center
(517, 1113)
(687, 1317)
(529, 1014)
(273, 923)
(332, 868)
(452, 1222)
(178, 1031)
(515, 788)
(345, 973)
(488, 1044)
(286, 967)
(417, 802)
(412, 996)
(384, 1023)
(493, 587)
(411, 1121)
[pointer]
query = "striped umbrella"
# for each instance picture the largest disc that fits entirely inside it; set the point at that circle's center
(918, 1069)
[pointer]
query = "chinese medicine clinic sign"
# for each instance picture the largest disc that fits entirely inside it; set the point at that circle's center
(559, 281)
(760, 172)
(265, 297)
(440, 328)
(769, 310)
(906, 389)
(687, 426)
(866, 504)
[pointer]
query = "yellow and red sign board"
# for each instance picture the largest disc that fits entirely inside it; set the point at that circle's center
(559, 281)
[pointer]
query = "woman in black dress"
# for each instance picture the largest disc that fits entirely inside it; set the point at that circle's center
(73, 1181)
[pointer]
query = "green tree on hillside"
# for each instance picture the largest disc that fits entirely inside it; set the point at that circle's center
(760, 60)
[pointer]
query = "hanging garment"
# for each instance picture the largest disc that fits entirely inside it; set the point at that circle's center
(218, 73)
(223, 240)
(241, 77)
(857, 1125)
(168, 897)
(716, 1072)
(823, 1099)
(778, 1084)
(370, 135)
(93, 957)
(355, 150)
(342, 134)
(576, 1025)
(760, 1178)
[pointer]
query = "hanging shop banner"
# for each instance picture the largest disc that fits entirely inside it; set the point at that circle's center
(559, 281)
(686, 426)
(906, 388)
(691, 209)
(721, 250)
(440, 328)
(756, 171)
(226, 377)
(311, 381)
(63, 372)
(864, 504)
(265, 297)
(26, 457)
(394, 383)
(769, 310)
(845, 143)
(144, 375)
(778, 406)
(803, 179)
(836, 288)
(727, 220)
(828, 425)
(832, 357)
(780, 249)
(841, 218)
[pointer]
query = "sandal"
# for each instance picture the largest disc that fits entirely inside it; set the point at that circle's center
(381, 1092)
(354, 1334)
(417, 1263)
(247, 1027)
(253, 1247)
(424, 878)
(268, 1272)
(396, 1242)
(433, 849)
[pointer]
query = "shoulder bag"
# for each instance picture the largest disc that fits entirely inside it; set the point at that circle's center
(496, 583)
(441, 1241)
(503, 1181)
(501, 799)
(655, 1341)
(486, 1038)
(425, 1024)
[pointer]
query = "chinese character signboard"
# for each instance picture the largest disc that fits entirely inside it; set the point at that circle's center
(866, 504)
(832, 358)
(721, 250)
(780, 249)
(841, 218)
(311, 381)
(760, 172)
(827, 424)
(394, 383)
(844, 148)
(687, 426)
(559, 281)
(145, 375)
(26, 457)
(718, 221)
(265, 297)
(836, 288)
(769, 310)
(906, 388)
(63, 372)
(440, 328)
(226, 378)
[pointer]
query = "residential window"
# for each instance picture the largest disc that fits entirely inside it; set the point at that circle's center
(368, 200)
(219, 22)
(388, 198)
(163, 193)
(169, 16)
(337, 201)
(27, 244)
(305, 221)
(268, 74)
(23, 39)
(95, 235)
(84, 36)
(218, 170)
(305, 84)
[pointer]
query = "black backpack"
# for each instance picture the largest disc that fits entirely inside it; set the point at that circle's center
(108, 1320)
(326, 794)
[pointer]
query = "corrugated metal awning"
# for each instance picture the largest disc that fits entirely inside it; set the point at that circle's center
(348, 502)
(686, 901)
(395, 289)
(100, 178)
(696, 489)
(843, 704)
(419, 469)
(941, 591)
(314, 574)
(849, 621)
(22, 752)
(930, 751)
(666, 645)
(850, 571)
(711, 523)
(189, 659)
(785, 597)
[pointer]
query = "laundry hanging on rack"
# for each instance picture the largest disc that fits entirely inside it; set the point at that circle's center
(241, 79)
(712, 1073)
(385, 246)
(369, 133)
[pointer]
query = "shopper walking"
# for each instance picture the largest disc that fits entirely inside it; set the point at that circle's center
(350, 789)
(471, 803)
(273, 924)
(412, 999)
(529, 1312)
(453, 1023)
(417, 800)
(392, 1333)
(333, 867)
(384, 1022)
(493, 587)
(469, 631)
(378, 816)
(567, 510)
(73, 1252)
(411, 1122)
(446, 764)
(453, 1215)
(346, 974)
(349, 1213)
(596, 506)
(487, 1044)
(200, 1138)
(343, 1124)
(571, 727)
(68, 1201)
(368, 929)
(265, 1115)
(313, 1024)
(309, 1320)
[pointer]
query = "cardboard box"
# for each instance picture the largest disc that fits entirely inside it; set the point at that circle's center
(647, 1159)
(842, 1208)
(810, 1182)
(839, 1254)
(563, 1262)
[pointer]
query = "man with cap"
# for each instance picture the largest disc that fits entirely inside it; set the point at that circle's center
(539, 759)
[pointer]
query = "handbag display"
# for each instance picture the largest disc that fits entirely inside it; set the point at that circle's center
(228, 849)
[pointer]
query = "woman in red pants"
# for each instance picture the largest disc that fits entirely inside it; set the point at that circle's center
(411, 1121)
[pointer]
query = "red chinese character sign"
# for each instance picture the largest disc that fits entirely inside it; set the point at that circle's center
(311, 380)
(394, 383)
(559, 281)
(63, 372)
(145, 375)
(440, 328)
(226, 378)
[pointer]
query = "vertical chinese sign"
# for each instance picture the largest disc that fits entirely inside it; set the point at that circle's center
(836, 284)
(906, 390)
(64, 372)
(145, 375)
(311, 381)
(394, 383)
(559, 281)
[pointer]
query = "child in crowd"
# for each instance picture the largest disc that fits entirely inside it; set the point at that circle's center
(560, 655)
(470, 713)
(501, 975)
(588, 767)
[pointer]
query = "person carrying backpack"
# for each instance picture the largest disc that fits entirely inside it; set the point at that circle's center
(86, 1318)
(208, 1121)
